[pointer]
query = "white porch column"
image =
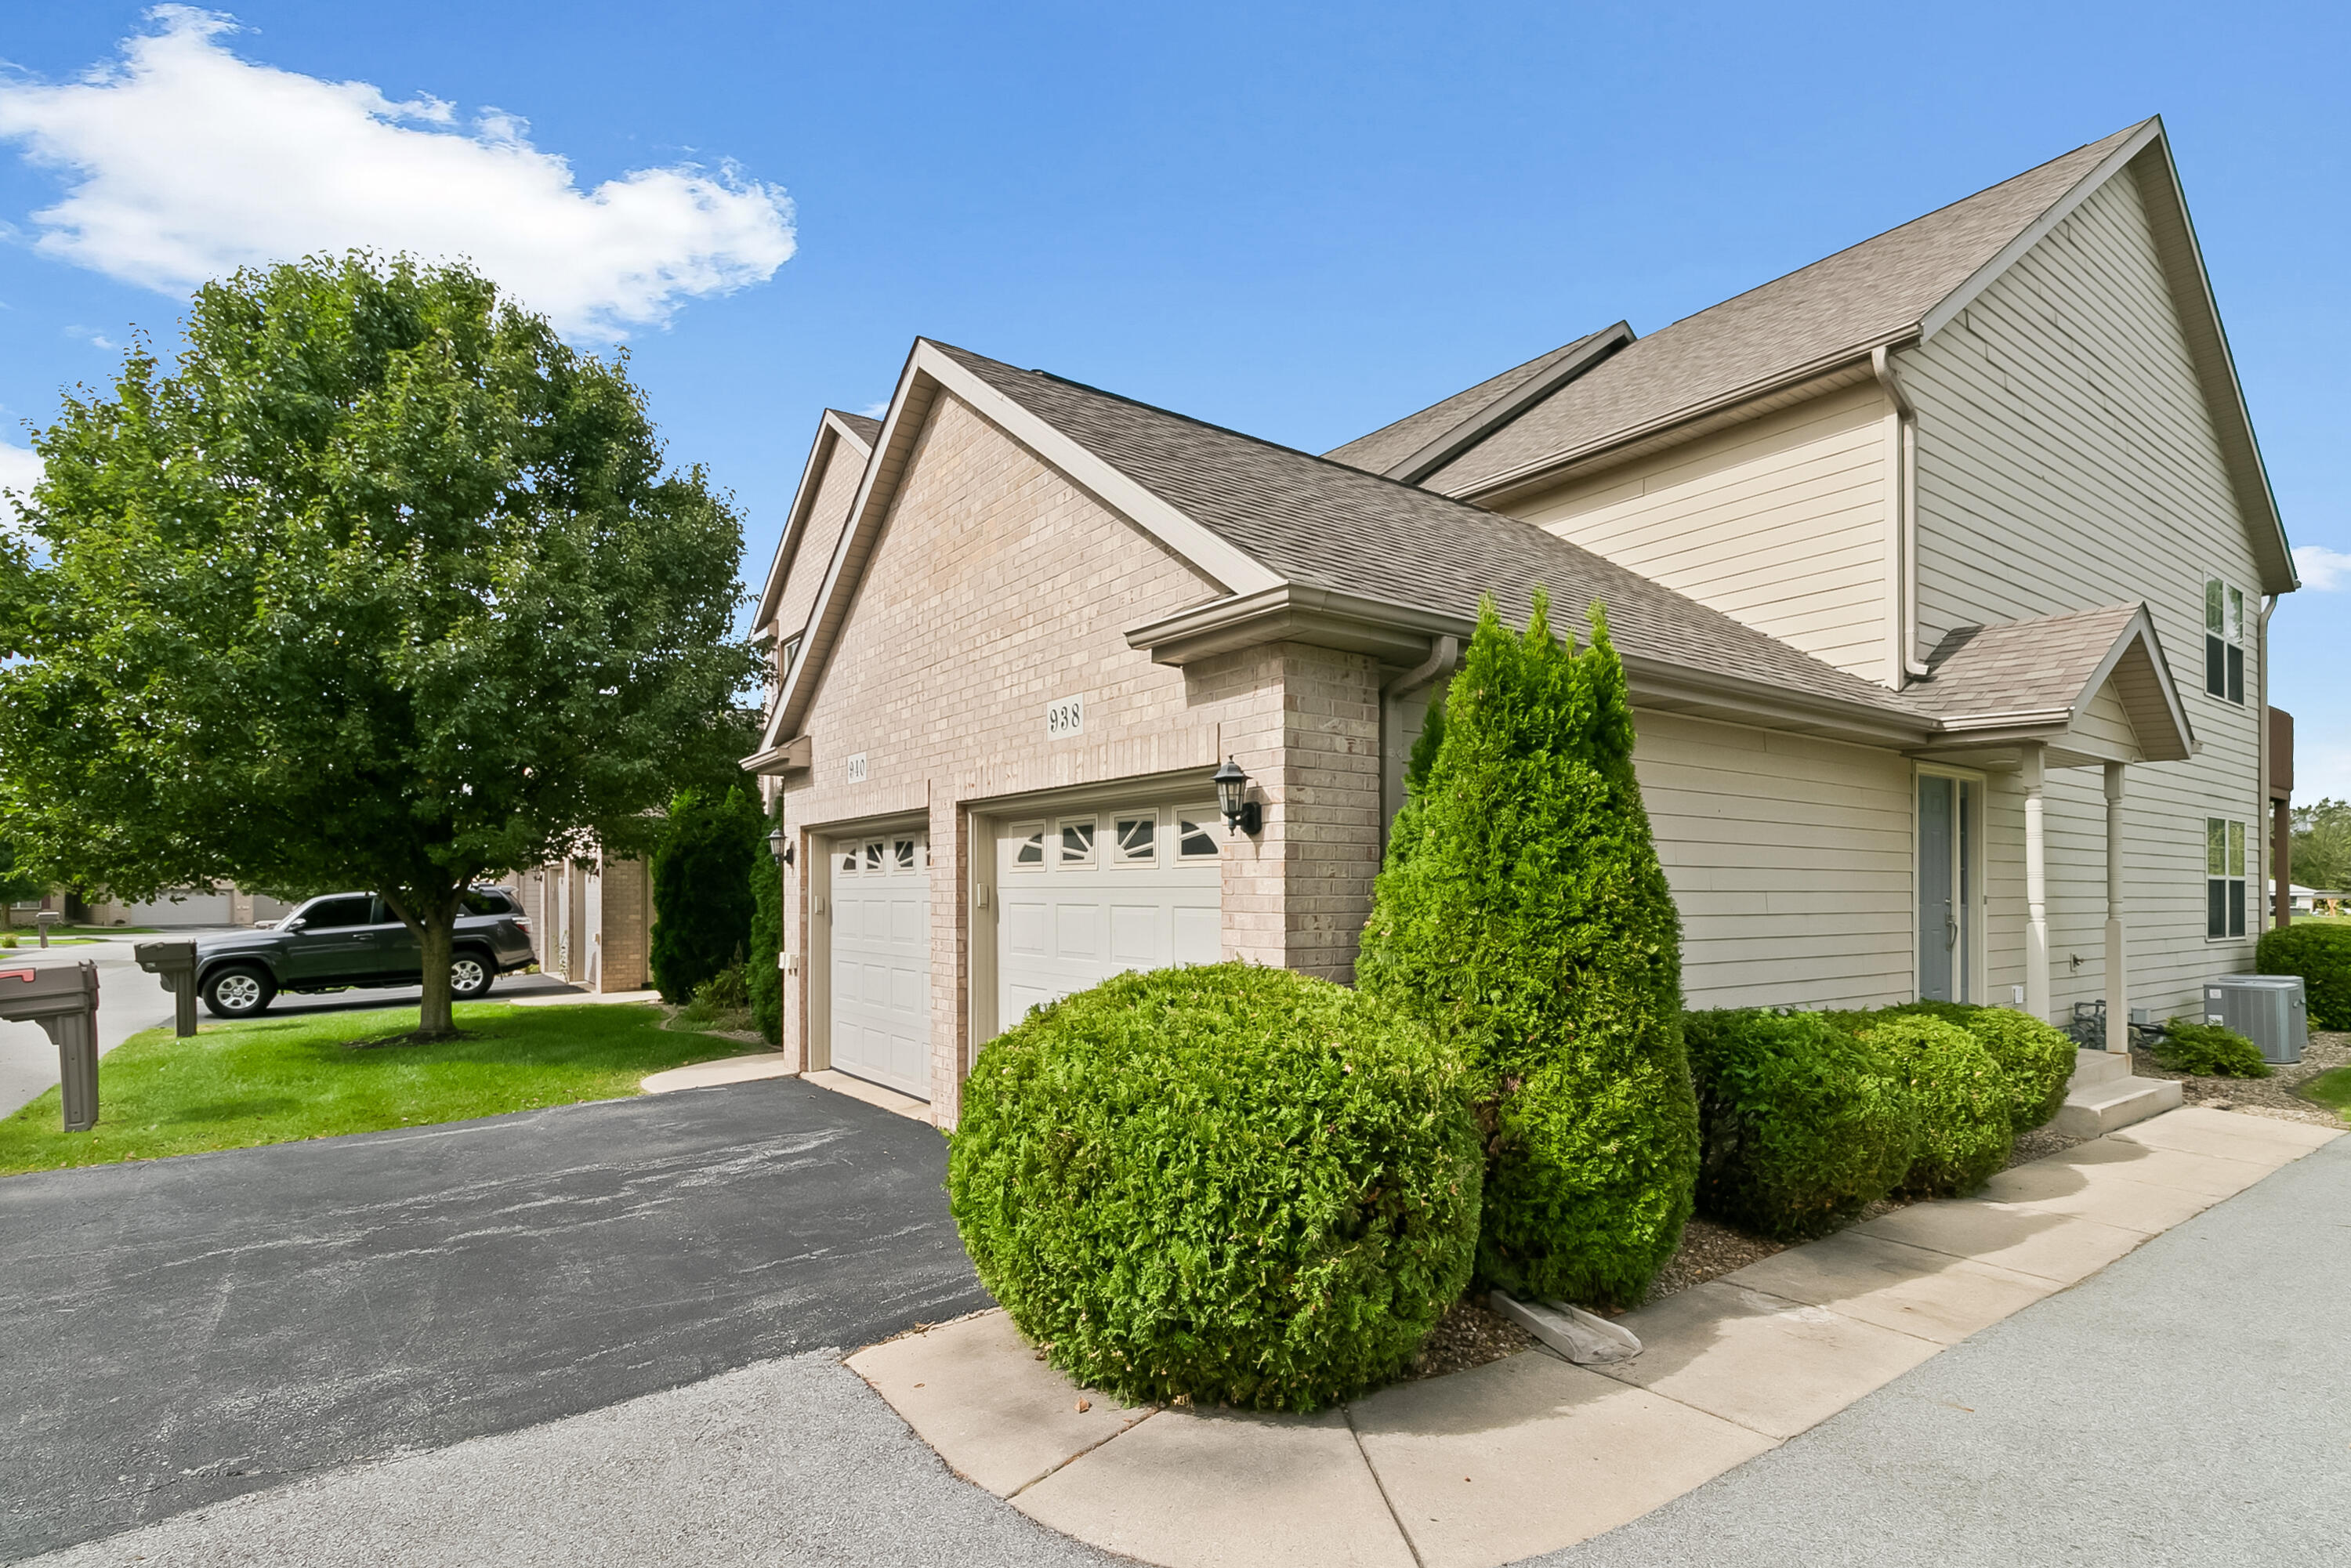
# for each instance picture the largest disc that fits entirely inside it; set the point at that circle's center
(2117, 974)
(2036, 881)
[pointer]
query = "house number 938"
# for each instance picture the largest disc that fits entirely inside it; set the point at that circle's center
(1065, 717)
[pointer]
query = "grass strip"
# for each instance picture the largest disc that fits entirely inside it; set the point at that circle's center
(277, 1080)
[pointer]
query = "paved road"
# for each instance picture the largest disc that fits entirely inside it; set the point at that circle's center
(2188, 1407)
(176, 1333)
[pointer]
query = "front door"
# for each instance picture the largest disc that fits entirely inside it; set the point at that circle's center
(1945, 833)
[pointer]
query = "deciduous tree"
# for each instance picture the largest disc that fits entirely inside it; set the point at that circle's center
(378, 585)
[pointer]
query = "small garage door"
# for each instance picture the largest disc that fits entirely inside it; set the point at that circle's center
(1088, 895)
(881, 993)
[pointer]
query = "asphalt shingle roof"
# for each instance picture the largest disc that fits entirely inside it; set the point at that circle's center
(1324, 524)
(1865, 294)
(1390, 445)
(2019, 666)
(868, 430)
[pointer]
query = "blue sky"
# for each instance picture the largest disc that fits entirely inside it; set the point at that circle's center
(1299, 220)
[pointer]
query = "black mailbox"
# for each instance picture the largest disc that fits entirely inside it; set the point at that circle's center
(63, 999)
(175, 964)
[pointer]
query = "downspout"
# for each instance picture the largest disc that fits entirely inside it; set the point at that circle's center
(1443, 654)
(1903, 488)
(2280, 897)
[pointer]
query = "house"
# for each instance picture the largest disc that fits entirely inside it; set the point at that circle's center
(1940, 569)
(591, 919)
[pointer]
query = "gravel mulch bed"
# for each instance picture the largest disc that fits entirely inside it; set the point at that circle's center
(1468, 1336)
(1709, 1249)
(2271, 1096)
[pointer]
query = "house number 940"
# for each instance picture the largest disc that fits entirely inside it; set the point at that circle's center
(1065, 717)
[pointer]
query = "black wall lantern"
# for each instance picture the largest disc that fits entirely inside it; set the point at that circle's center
(777, 847)
(1231, 785)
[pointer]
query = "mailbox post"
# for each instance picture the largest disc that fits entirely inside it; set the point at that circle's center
(63, 999)
(175, 964)
(45, 919)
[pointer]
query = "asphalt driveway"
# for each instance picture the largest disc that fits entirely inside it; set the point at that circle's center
(181, 1331)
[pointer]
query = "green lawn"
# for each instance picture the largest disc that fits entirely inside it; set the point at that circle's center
(2332, 1089)
(271, 1081)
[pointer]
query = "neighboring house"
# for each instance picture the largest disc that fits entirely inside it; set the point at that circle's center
(591, 920)
(220, 904)
(1938, 569)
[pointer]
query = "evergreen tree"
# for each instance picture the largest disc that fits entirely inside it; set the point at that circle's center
(765, 983)
(1523, 907)
(702, 889)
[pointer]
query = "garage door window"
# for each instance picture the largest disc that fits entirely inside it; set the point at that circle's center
(1078, 842)
(1138, 840)
(1031, 851)
(1198, 839)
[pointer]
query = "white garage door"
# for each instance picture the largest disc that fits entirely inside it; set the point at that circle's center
(191, 908)
(1088, 895)
(881, 994)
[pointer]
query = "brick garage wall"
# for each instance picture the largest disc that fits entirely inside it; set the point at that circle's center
(627, 933)
(997, 586)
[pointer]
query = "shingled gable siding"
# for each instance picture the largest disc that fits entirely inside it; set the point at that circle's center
(2066, 459)
(813, 554)
(1779, 523)
(998, 586)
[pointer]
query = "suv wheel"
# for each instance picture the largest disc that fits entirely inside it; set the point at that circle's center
(470, 975)
(239, 992)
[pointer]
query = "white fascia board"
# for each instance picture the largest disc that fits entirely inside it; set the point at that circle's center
(928, 373)
(1960, 299)
(1225, 563)
(831, 433)
(2140, 631)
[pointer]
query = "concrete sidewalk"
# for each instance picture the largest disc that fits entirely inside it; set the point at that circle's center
(1530, 1454)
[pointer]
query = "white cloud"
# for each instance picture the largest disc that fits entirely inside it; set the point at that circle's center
(183, 162)
(20, 470)
(2321, 568)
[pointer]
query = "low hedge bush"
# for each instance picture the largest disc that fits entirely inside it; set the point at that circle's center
(1230, 1183)
(1959, 1097)
(2207, 1050)
(1802, 1125)
(2321, 954)
(2036, 1060)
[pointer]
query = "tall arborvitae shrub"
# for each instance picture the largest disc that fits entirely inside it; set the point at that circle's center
(1523, 910)
(702, 889)
(765, 982)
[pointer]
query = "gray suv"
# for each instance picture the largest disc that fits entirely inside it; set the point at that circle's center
(345, 939)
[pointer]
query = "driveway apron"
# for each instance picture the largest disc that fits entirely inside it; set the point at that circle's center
(181, 1331)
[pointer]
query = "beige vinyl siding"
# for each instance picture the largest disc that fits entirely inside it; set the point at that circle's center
(2104, 723)
(2066, 459)
(1779, 523)
(1790, 859)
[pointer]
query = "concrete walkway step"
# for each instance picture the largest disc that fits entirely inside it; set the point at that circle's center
(2094, 1110)
(2098, 1067)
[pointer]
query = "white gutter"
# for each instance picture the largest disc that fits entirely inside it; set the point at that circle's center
(1902, 496)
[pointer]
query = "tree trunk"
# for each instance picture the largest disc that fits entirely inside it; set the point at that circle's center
(436, 935)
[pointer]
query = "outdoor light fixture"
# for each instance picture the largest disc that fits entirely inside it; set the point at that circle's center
(782, 851)
(1231, 784)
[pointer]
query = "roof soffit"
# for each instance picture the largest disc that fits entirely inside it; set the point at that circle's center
(927, 374)
(834, 431)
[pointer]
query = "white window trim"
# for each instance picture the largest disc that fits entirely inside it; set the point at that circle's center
(2251, 858)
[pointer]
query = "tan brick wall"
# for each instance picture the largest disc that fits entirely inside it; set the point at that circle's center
(813, 554)
(997, 586)
(627, 926)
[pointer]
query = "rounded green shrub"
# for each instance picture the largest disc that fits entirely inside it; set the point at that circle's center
(2036, 1058)
(1522, 912)
(1959, 1103)
(2321, 954)
(2207, 1050)
(702, 889)
(1802, 1125)
(1230, 1183)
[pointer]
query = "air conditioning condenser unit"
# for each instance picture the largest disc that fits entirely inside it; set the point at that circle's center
(2267, 1010)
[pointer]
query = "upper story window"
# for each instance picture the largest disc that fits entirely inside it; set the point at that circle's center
(2224, 640)
(2225, 877)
